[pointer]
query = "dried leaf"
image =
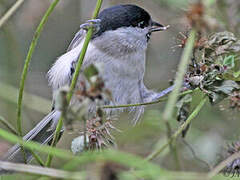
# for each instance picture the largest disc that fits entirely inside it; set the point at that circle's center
(221, 38)
(227, 87)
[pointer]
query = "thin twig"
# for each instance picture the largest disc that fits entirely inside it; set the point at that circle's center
(27, 62)
(37, 158)
(179, 131)
(26, 65)
(10, 12)
(41, 170)
(74, 79)
(86, 157)
(195, 155)
(8, 125)
(168, 111)
(223, 164)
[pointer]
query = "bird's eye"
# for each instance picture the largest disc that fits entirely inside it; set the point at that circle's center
(141, 24)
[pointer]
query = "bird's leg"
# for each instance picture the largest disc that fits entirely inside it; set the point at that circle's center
(158, 95)
(148, 95)
(93, 23)
(162, 93)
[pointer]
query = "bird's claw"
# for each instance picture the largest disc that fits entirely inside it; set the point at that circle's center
(92, 23)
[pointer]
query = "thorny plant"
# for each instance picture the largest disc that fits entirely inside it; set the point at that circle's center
(97, 124)
(214, 70)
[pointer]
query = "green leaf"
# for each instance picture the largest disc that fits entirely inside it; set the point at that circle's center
(229, 61)
(90, 71)
(236, 74)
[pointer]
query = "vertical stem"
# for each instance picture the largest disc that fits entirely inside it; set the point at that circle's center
(167, 114)
(168, 111)
(74, 79)
(27, 62)
(179, 131)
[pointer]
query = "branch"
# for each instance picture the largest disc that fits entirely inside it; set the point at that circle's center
(179, 131)
(26, 65)
(40, 170)
(144, 104)
(168, 111)
(125, 159)
(223, 164)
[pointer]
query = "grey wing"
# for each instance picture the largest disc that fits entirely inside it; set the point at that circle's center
(77, 39)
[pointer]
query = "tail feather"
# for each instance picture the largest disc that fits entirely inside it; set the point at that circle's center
(42, 133)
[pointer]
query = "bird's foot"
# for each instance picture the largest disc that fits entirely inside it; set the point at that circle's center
(93, 23)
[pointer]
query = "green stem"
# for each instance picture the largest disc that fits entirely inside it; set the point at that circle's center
(8, 125)
(10, 12)
(168, 111)
(27, 62)
(86, 157)
(74, 79)
(83, 52)
(147, 103)
(179, 131)
(37, 158)
(173, 146)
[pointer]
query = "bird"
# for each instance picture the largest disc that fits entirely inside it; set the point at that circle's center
(120, 40)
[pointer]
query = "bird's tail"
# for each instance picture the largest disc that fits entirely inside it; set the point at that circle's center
(42, 133)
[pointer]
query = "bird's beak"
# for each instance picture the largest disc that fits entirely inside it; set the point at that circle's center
(155, 26)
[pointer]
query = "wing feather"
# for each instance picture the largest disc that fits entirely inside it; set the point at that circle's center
(77, 39)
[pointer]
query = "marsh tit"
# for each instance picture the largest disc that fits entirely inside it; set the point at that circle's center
(120, 40)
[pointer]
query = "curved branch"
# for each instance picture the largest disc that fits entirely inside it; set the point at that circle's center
(179, 131)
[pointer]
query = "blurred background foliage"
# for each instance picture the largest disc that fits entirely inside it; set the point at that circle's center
(210, 131)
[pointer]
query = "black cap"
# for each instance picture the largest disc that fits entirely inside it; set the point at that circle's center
(126, 15)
